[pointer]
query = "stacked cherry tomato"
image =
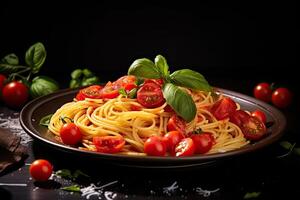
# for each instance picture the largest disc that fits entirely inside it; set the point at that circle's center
(280, 97)
(14, 94)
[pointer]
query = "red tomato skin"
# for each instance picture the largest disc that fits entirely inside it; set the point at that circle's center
(203, 142)
(171, 139)
(263, 92)
(155, 146)
(176, 123)
(150, 96)
(2, 80)
(93, 92)
(15, 94)
(223, 108)
(186, 147)
(159, 82)
(126, 82)
(282, 97)
(41, 170)
(239, 117)
(109, 144)
(260, 115)
(70, 134)
(254, 129)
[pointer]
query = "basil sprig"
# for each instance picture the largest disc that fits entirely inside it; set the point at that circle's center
(177, 98)
(35, 57)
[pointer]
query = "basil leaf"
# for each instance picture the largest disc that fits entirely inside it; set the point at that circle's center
(297, 151)
(76, 74)
(79, 173)
(35, 57)
(251, 195)
(161, 64)
(122, 92)
(87, 73)
(132, 93)
(64, 173)
(72, 188)
(10, 59)
(285, 144)
(42, 85)
(190, 79)
(90, 81)
(74, 83)
(8, 69)
(144, 68)
(180, 101)
(46, 120)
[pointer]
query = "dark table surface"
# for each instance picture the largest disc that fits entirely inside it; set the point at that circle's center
(263, 173)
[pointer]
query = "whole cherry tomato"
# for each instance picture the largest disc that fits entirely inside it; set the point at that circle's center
(2, 80)
(282, 97)
(171, 139)
(155, 146)
(40, 170)
(70, 134)
(203, 142)
(15, 94)
(176, 123)
(263, 92)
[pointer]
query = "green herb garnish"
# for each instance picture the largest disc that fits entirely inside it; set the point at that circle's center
(177, 98)
(46, 120)
(83, 77)
(252, 195)
(72, 188)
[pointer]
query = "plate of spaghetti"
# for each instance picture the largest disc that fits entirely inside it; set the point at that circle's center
(153, 118)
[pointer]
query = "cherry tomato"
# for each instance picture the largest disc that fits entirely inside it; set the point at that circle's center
(2, 80)
(260, 115)
(203, 142)
(155, 146)
(253, 129)
(135, 108)
(15, 94)
(110, 91)
(176, 123)
(109, 144)
(171, 139)
(239, 117)
(282, 97)
(93, 92)
(186, 147)
(40, 170)
(263, 92)
(150, 95)
(127, 82)
(223, 108)
(159, 82)
(70, 134)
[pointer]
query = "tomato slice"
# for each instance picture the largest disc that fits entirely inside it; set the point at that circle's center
(223, 108)
(159, 82)
(93, 92)
(176, 123)
(109, 144)
(110, 91)
(254, 129)
(186, 147)
(171, 139)
(150, 95)
(260, 115)
(203, 142)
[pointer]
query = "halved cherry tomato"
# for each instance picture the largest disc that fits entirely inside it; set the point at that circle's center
(223, 108)
(168, 108)
(260, 115)
(203, 142)
(70, 134)
(171, 139)
(159, 82)
(176, 123)
(155, 146)
(40, 170)
(282, 97)
(239, 117)
(263, 92)
(150, 95)
(110, 91)
(254, 129)
(127, 82)
(135, 108)
(93, 92)
(109, 144)
(186, 147)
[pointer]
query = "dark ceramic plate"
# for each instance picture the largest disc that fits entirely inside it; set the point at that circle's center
(40, 107)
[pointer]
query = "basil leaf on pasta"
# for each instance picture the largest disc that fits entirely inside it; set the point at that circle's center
(144, 68)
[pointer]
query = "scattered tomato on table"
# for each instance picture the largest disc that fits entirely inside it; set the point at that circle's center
(15, 94)
(41, 170)
(263, 92)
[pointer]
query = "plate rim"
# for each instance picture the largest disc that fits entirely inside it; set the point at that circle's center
(30, 107)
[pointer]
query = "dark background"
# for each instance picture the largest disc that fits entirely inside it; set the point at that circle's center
(249, 42)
